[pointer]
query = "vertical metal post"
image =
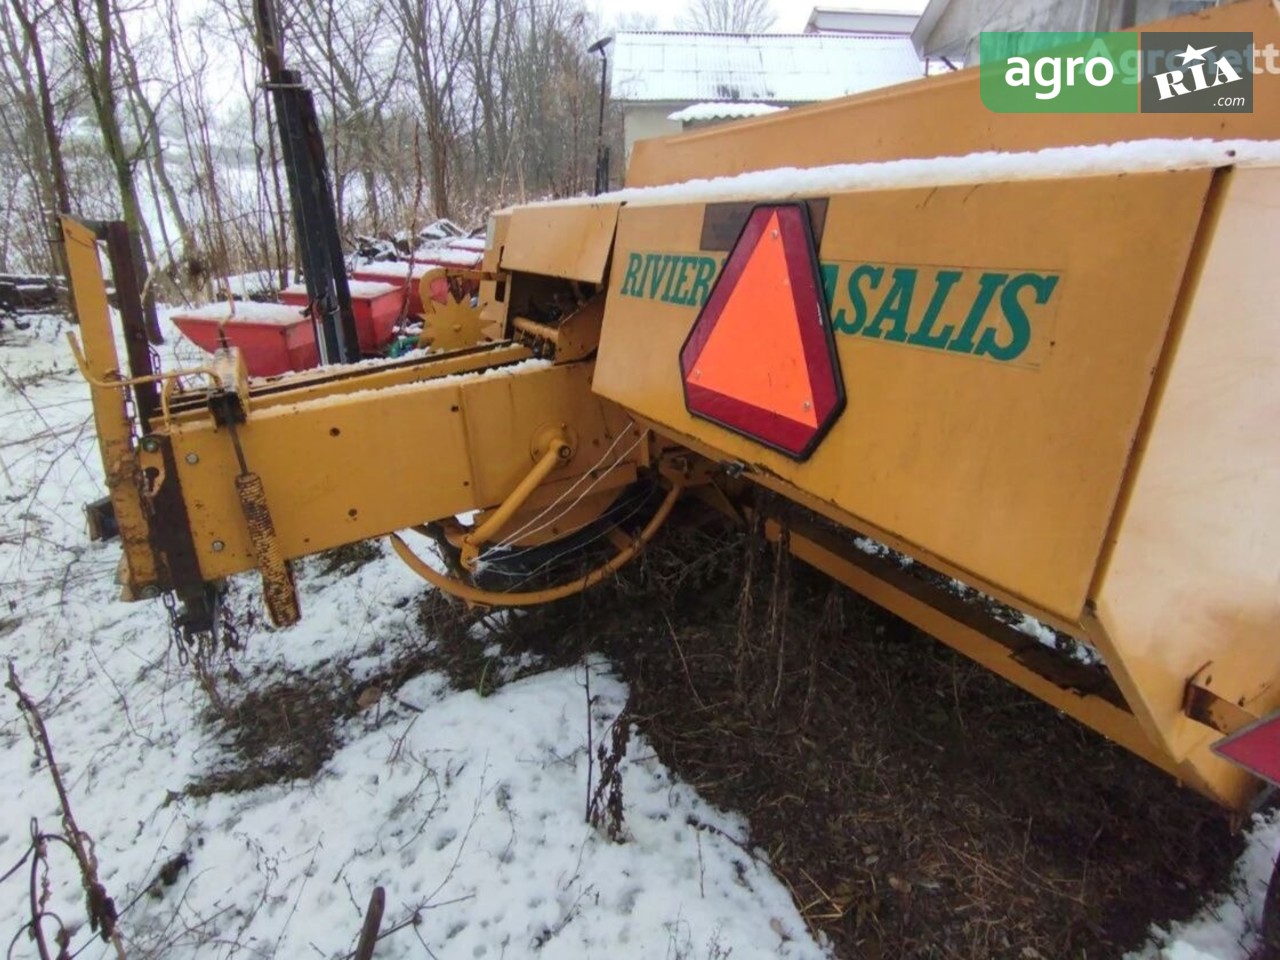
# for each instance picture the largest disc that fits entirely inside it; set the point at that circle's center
(602, 154)
(311, 197)
(125, 271)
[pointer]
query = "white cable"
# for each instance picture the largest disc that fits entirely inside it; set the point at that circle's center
(605, 515)
(558, 500)
(637, 508)
(525, 531)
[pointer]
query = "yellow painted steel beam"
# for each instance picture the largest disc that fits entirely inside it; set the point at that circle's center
(941, 617)
(354, 465)
(311, 385)
(111, 418)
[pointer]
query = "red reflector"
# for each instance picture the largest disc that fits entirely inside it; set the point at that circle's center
(760, 359)
(1256, 748)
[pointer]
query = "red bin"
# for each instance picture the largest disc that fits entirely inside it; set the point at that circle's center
(376, 307)
(274, 338)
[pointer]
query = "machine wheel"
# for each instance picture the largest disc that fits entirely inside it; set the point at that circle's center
(552, 562)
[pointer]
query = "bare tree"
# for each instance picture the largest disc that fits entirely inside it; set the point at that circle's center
(450, 106)
(635, 21)
(96, 43)
(27, 79)
(351, 51)
(434, 32)
(151, 150)
(729, 16)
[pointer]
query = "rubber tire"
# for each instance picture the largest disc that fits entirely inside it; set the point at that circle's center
(639, 501)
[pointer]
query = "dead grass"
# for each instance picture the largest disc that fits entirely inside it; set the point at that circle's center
(284, 731)
(917, 805)
(287, 727)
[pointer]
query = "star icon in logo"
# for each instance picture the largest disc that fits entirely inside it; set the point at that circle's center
(1191, 53)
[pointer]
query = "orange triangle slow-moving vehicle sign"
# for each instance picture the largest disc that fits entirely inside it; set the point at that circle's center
(760, 359)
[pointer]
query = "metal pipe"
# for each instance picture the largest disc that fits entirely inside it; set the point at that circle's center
(490, 598)
(557, 452)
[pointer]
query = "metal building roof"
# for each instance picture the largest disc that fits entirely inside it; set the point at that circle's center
(723, 110)
(777, 68)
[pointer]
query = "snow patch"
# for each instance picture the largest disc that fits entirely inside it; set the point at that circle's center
(247, 311)
(1132, 156)
(722, 111)
(359, 289)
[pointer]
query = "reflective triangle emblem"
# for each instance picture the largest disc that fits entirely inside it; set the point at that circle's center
(1256, 748)
(760, 359)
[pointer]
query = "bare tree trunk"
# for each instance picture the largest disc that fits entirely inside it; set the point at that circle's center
(96, 52)
(53, 169)
(49, 122)
(147, 125)
(433, 40)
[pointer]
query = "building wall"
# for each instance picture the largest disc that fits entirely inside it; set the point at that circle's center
(826, 20)
(642, 120)
(957, 30)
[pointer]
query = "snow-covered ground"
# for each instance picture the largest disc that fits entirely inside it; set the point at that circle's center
(467, 808)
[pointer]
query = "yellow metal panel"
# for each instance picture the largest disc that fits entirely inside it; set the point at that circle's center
(569, 241)
(1194, 574)
(504, 416)
(1008, 471)
(357, 465)
(111, 420)
(493, 312)
(332, 472)
(945, 116)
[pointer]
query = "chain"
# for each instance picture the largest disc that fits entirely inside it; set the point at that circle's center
(177, 640)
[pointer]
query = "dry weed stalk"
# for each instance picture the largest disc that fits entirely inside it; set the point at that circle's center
(761, 643)
(605, 810)
(100, 907)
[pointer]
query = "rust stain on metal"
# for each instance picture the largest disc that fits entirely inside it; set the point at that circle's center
(1203, 705)
(278, 589)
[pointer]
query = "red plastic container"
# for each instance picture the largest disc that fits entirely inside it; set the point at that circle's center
(394, 273)
(273, 337)
(376, 306)
(428, 258)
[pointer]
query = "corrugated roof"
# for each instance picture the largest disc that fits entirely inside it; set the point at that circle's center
(723, 110)
(778, 68)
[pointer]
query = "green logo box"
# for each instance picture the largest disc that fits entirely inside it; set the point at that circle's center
(1060, 72)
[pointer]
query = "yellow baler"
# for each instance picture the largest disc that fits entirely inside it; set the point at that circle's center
(1048, 372)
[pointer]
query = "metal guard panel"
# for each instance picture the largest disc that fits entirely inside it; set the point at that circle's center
(997, 343)
(571, 241)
